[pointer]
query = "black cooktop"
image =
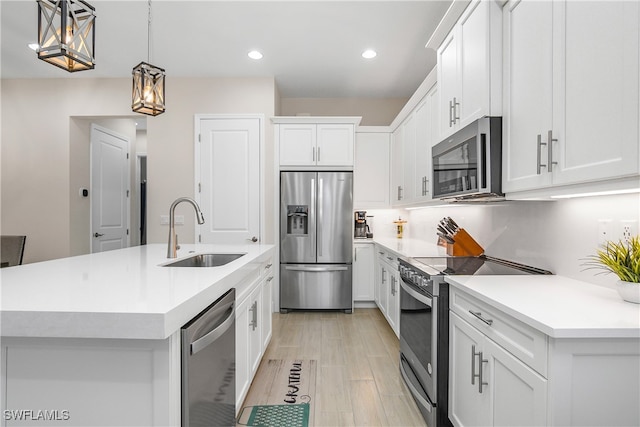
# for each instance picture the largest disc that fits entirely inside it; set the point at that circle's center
(480, 265)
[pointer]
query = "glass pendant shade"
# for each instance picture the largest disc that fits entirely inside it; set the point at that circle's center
(148, 89)
(66, 34)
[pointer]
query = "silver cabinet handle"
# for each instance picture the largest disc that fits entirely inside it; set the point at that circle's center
(473, 364)
(270, 278)
(539, 152)
(451, 121)
(550, 141)
(318, 154)
(253, 239)
(254, 316)
(456, 104)
(481, 362)
(313, 154)
(479, 316)
(268, 266)
(384, 272)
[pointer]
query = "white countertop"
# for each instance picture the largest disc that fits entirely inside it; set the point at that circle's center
(411, 248)
(558, 306)
(123, 293)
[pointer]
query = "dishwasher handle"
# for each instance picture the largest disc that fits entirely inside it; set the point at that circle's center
(216, 333)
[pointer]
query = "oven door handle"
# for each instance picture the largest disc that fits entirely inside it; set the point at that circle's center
(422, 298)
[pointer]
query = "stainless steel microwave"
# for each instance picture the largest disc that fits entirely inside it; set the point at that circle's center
(468, 164)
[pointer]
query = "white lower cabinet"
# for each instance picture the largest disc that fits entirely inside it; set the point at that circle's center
(253, 329)
(489, 386)
(363, 272)
(503, 372)
(388, 288)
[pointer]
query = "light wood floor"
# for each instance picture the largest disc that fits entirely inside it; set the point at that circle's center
(358, 382)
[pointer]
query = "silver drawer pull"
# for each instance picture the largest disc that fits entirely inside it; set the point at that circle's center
(479, 316)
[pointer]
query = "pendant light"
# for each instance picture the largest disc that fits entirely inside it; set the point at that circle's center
(66, 34)
(148, 83)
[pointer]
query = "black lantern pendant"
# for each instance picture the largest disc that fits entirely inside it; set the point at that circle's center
(148, 84)
(148, 89)
(66, 34)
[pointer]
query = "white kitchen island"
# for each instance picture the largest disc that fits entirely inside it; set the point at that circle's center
(542, 350)
(94, 340)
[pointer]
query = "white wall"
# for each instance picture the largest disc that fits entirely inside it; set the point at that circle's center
(36, 186)
(554, 235)
(374, 111)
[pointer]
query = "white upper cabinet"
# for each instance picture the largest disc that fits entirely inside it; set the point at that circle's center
(469, 68)
(426, 125)
(321, 141)
(570, 93)
(397, 164)
(371, 169)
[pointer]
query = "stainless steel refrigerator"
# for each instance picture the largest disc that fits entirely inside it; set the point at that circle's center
(315, 240)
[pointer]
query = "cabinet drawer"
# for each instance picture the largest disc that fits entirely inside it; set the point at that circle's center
(521, 340)
(387, 256)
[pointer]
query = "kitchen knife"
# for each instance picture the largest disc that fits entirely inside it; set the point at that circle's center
(446, 238)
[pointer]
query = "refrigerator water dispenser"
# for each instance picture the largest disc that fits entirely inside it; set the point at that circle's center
(297, 219)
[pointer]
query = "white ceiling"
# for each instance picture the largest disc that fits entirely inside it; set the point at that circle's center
(312, 48)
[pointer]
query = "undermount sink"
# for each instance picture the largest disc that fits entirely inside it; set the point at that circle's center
(205, 260)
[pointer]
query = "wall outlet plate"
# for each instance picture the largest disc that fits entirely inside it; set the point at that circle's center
(628, 229)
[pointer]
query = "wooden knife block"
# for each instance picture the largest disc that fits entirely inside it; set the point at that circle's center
(464, 245)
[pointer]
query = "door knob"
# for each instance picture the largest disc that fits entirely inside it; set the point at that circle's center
(96, 234)
(253, 239)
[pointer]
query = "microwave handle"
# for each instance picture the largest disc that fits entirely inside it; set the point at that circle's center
(483, 161)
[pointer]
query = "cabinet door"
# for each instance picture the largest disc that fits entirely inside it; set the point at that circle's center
(383, 280)
(467, 406)
(371, 171)
(596, 102)
(448, 82)
(255, 329)
(474, 35)
(363, 272)
(335, 145)
(394, 301)
(397, 160)
(409, 159)
(424, 142)
(243, 377)
(518, 394)
(297, 144)
(267, 312)
(528, 82)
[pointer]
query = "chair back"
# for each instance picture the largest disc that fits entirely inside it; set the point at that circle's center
(11, 250)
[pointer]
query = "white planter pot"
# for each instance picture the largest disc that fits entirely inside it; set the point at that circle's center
(629, 291)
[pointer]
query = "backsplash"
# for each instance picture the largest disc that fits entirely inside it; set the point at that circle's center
(554, 235)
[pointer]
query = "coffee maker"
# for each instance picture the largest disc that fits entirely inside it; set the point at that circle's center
(360, 227)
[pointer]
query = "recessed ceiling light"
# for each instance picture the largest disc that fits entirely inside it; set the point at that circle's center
(34, 46)
(254, 54)
(369, 53)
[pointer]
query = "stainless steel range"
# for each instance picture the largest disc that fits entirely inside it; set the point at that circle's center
(424, 324)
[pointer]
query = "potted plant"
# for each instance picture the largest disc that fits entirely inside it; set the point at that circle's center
(623, 260)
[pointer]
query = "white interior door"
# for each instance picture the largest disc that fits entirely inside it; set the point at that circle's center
(228, 156)
(109, 190)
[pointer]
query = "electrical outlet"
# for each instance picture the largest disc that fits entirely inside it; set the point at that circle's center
(604, 231)
(628, 229)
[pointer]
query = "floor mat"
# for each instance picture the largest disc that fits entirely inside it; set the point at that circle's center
(282, 394)
(292, 415)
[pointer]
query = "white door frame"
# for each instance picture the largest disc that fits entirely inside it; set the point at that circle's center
(197, 152)
(91, 189)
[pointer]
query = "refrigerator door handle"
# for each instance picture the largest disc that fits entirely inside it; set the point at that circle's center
(320, 216)
(315, 269)
(314, 217)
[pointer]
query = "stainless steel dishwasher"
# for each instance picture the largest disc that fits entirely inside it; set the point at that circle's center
(208, 366)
